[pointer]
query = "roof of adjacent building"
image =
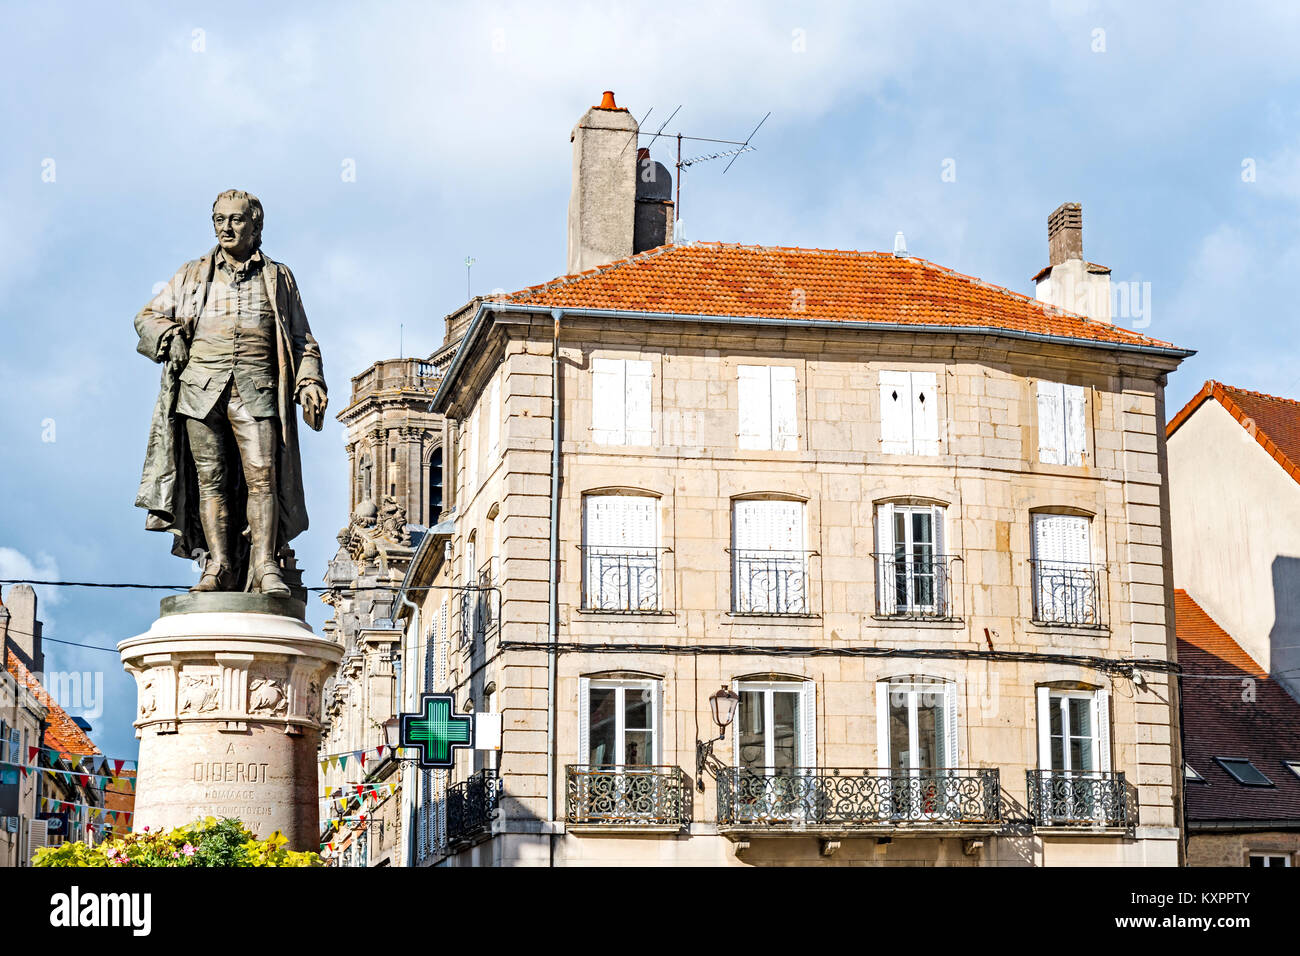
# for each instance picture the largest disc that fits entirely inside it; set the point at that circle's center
(61, 731)
(711, 278)
(1274, 421)
(1233, 709)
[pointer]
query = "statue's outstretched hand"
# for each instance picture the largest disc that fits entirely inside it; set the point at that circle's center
(313, 400)
(179, 352)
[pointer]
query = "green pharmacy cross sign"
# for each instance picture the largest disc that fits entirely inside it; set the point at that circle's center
(437, 731)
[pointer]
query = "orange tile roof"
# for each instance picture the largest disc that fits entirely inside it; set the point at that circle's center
(709, 278)
(1199, 630)
(60, 732)
(1275, 422)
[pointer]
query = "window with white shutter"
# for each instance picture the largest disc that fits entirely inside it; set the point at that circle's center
(1066, 582)
(494, 420)
(909, 413)
(621, 552)
(621, 401)
(912, 565)
(1075, 785)
(769, 563)
(766, 400)
(471, 454)
(1062, 424)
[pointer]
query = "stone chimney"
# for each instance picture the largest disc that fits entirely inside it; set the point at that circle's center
(20, 631)
(619, 203)
(1068, 282)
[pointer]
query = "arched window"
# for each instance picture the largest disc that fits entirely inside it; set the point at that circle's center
(769, 563)
(621, 552)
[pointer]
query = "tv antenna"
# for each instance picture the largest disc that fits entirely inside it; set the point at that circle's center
(740, 146)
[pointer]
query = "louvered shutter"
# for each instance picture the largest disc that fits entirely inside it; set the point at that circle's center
(785, 424)
(1076, 428)
(925, 414)
(608, 402)
(471, 452)
(657, 710)
(422, 816)
(886, 589)
(808, 725)
(584, 721)
(637, 394)
(942, 585)
(1051, 423)
(1045, 729)
(444, 632)
(494, 419)
(895, 413)
(754, 394)
(38, 835)
(1101, 728)
(884, 759)
(951, 752)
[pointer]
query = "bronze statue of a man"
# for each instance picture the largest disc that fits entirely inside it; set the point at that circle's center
(223, 447)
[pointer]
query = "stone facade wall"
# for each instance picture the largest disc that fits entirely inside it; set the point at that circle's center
(987, 475)
(1234, 849)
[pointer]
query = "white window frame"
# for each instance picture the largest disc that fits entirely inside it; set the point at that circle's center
(767, 406)
(622, 399)
(1268, 857)
(913, 805)
(621, 686)
(886, 561)
(788, 564)
(1101, 735)
(806, 739)
(1062, 423)
(642, 560)
(1076, 557)
(909, 412)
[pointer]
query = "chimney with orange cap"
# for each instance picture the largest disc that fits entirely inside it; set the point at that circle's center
(602, 203)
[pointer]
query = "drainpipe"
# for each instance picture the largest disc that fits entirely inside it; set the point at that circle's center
(553, 614)
(409, 786)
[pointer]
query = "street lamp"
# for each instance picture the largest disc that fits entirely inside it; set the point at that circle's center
(722, 703)
(393, 734)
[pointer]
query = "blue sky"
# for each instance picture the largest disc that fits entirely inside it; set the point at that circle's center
(121, 122)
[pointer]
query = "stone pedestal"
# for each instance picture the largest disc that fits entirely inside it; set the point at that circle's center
(229, 693)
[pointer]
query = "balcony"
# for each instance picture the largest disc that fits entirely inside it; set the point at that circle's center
(621, 580)
(769, 582)
(1078, 800)
(844, 801)
(480, 606)
(1068, 594)
(627, 798)
(471, 807)
(915, 588)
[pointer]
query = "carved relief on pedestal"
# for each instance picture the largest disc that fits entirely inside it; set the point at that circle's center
(199, 693)
(266, 697)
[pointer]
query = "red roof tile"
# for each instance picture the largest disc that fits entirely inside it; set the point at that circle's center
(814, 284)
(1275, 422)
(60, 732)
(1232, 708)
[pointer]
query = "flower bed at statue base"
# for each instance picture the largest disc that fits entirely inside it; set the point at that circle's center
(209, 842)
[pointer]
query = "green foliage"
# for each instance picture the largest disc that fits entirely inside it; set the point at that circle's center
(209, 842)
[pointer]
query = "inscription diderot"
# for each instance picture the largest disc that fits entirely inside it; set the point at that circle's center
(229, 771)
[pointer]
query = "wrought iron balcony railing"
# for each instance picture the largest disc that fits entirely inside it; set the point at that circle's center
(1077, 798)
(848, 799)
(471, 806)
(627, 796)
(769, 582)
(480, 606)
(1068, 593)
(621, 579)
(915, 587)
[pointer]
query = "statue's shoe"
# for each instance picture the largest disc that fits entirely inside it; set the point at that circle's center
(270, 582)
(213, 580)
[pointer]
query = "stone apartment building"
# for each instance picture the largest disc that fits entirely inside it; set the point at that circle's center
(905, 533)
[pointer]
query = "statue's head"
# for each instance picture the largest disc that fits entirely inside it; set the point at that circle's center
(237, 220)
